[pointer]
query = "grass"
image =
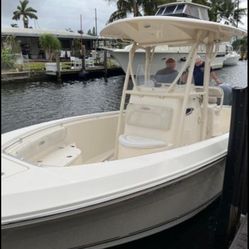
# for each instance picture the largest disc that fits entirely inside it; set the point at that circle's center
(36, 66)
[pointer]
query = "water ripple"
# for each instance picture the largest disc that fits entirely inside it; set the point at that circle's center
(30, 103)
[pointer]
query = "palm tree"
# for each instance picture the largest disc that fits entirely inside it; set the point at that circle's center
(124, 7)
(14, 25)
(239, 13)
(228, 9)
(218, 8)
(135, 7)
(25, 12)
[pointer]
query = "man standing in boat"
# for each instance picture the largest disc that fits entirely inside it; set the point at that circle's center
(199, 73)
(199, 76)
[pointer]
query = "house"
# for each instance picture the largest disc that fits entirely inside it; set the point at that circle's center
(29, 40)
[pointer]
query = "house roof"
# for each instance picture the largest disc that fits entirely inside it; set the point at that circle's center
(25, 32)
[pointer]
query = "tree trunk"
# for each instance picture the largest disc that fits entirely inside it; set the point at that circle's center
(135, 8)
(25, 22)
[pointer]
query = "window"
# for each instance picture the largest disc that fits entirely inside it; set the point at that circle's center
(203, 14)
(192, 11)
(179, 8)
(169, 10)
(160, 11)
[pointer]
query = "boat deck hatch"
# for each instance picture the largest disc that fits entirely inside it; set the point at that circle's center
(12, 169)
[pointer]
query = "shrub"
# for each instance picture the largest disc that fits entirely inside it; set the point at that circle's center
(7, 59)
(50, 44)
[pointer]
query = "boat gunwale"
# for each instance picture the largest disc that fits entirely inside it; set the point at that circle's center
(75, 211)
(36, 128)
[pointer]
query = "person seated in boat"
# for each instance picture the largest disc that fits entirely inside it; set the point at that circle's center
(167, 74)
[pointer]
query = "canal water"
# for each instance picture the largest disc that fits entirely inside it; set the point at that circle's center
(28, 103)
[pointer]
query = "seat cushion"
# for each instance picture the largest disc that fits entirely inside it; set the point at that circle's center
(140, 142)
(149, 116)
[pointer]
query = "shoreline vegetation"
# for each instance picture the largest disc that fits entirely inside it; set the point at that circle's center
(39, 66)
(36, 71)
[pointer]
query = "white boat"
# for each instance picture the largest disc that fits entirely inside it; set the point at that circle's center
(231, 57)
(161, 53)
(104, 179)
(182, 9)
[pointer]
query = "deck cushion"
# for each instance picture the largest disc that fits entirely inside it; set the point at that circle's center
(140, 142)
(149, 116)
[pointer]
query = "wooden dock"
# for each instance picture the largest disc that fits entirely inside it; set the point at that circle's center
(6, 76)
(76, 71)
(240, 240)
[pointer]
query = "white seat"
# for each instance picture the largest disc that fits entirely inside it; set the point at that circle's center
(61, 157)
(140, 142)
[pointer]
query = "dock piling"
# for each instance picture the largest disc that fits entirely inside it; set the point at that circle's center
(58, 72)
(105, 65)
(234, 195)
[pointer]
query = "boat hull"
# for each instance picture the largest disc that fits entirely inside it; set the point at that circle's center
(231, 59)
(158, 60)
(123, 219)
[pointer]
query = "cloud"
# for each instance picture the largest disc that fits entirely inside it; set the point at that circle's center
(61, 14)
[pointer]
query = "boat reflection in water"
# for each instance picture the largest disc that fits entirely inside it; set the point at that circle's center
(104, 179)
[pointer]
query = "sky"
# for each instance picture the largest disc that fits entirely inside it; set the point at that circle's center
(63, 14)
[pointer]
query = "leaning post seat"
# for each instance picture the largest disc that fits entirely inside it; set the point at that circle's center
(145, 129)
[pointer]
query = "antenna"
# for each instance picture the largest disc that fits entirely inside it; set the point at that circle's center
(96, 30)
(82, 46)
(81, 25)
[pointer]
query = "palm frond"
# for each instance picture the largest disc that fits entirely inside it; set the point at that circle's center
(24, 4)
(117, 15)
(16, 15)
(31, 15)
(29, 9)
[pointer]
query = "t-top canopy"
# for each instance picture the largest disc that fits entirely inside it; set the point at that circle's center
(153, 30)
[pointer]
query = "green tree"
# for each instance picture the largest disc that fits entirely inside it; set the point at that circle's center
(228, 9)
(24, 12)
(69, 30)
(238, 14)
(12, 44)
(9, 48)
(135, 7)
(218, 8)
(14, 25)
(7, 58)
(50, 44)
(92, 31)
(241, 46)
